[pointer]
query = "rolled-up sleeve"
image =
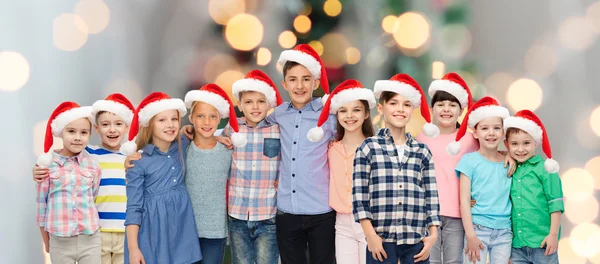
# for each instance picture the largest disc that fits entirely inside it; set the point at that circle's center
(135, 194)
(360, 184)
(553, 191)
(42, 201)
(432, 203)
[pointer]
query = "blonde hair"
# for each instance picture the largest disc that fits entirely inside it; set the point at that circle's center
(144, 137)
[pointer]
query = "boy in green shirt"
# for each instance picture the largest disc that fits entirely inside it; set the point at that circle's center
(536, 192)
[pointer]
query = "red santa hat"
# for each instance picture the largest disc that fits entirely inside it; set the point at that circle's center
(309, 58)
(64, 114)
(482, 109)
(530, 123)
(153, 104)
(453, 84)
(213, 95)
(257, 81)
(347, 91)
(117, 104)
(406, 86)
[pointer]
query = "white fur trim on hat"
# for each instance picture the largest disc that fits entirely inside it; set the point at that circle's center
(452, 88)
(217, 101)
(254, 85)
(400, 88)
(526, 125)
(66, 117)
(349, 95)
(151, 109)
(483, 112)
(116, 108)
(306, 60)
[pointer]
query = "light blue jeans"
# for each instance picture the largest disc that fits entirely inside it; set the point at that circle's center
(448, 248)
(497, 243)
(527, 255)
(253, 241)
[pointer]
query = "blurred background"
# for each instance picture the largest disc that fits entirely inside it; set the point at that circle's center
(542, 55)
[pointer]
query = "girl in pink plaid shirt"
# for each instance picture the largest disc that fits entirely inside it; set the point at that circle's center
(67, 215)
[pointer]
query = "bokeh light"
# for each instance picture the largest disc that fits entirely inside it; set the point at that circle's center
(578, 184)
(218, 64)
(332, 7)
(302, 24)
(69, 32)
(576, 33)
(334, 51)
(14, 71)
(585, 239)
(497, 83)
(581, 211)
(437, 69)
(595, 121)
(592, 15)
(306, 9)
(566, 254)
(593, 167)
(244, 32)
(226, 79)
(595, 259)
(541, 61)
(352, 55)
(455, 40)
(223, 10)
(263, 56)
(287, 39)
(317, 45)
(127, 87)
(524, 94)
(584, 134)
(376, 57)
(413, 30)
(388, 24)
(39, 134)
(95, 13)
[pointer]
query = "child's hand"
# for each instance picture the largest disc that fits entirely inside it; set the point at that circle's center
(428, 243)
(551, 244)
(188, 131)
(473, 247)
(39, 174)
(512, 165)
(132, 157)
(136, 257)
(225, 141)
(276, 183)
(375, 246)
(46, 239)
(473, 202)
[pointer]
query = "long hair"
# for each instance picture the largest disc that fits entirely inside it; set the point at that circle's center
(144, 137)
(367, 126)
(440, 96)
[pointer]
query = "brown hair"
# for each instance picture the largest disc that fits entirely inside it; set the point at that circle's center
(513, 130)
(386, 96)
(287, 66)
(440, 96)
(98, 115)
(367, 126)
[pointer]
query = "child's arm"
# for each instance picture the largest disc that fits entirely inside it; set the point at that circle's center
(473, 243)
(272, 118)
(42, 205)
(135, 209)
(361, 201)
(432, 205)
(45, 239)
(553, 191)
(551, 240)
(135, 254)
(97, 178)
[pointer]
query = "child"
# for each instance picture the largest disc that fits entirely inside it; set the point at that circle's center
(394, 194)
(208, 167)
(252, 199)
(350, 102)
(159, 224)
(449, 97)
(484, 178)
(536, 193)
(113, 116)
(303, 216)
(67, 217)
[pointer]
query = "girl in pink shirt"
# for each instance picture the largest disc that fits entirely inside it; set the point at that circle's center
(350, 103)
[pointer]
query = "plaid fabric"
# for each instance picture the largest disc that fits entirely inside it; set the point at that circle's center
(65, 200)
(254, 169)
(398, 194)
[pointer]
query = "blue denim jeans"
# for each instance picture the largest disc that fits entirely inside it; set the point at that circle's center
(404, 253)
(497, 243)
(527, 255)
(213, 250)
(253, 241)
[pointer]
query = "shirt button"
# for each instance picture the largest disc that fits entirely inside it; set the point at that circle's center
(519, 180)
(174, 180)
(296, 126)
(519, 231)
(519, 197)
(169, 156)
(294, 142)
(293, 159)
(518, 214)
(400, 203)
(172, 168)
(293, 175)
(300, 112)
(400, 185)
(294, 191)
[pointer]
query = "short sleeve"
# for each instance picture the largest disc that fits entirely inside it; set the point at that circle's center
(465, 166)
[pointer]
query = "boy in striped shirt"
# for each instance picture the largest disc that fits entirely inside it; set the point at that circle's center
(113, 116)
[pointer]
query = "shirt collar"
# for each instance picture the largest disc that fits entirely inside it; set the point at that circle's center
(263, 123)
(60, 159)
(314, 105)
(385, 133)
(533, 160)
(150, 149)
